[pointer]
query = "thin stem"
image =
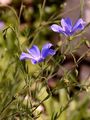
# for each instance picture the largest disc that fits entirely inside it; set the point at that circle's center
(42, 11)
(41, 103)
(21, 9)
(6, 107)
(14, 32)
(81, 6)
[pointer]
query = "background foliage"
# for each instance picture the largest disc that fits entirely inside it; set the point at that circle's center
(51, 90)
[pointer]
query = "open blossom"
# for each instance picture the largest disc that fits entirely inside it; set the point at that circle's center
(35, 55)
(67, 28)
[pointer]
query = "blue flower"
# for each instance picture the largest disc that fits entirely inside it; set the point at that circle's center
(35, 55)
(67, 28)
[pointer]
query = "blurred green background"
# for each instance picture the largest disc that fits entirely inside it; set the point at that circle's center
(48, 91)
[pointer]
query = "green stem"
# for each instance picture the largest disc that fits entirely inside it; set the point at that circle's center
(6, 107)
